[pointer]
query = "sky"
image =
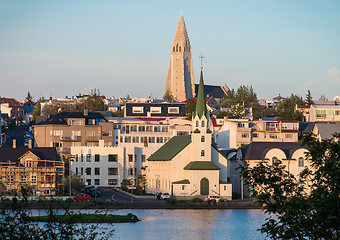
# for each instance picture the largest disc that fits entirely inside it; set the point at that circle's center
(66, 47)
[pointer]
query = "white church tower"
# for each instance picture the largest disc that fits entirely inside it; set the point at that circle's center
(180, 80)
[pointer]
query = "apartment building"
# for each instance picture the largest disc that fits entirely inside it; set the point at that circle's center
(321, 111)
(68, 129)
(38, 168)
(235, 133)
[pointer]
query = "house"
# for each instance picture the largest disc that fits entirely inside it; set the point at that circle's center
(27, 113)
(217, 92)
(325, 130)
(12, 107)
(190, 165)
(38, 168)
(154, 109)
(321, 111)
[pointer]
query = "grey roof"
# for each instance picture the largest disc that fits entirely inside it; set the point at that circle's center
(258, 150)
(28, 109)
(226, 152)
(326, 130)
(211, 90)
(60, 117)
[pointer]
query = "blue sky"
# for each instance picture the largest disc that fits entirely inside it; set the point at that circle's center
(68, 47)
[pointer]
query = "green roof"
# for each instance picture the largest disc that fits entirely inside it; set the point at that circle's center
(184, 181)
(201, 108)
(197, 131)
(171, 148)
(201, 165)
(223, 182)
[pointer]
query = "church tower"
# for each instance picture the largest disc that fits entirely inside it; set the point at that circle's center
(201, 133)
(180, 80)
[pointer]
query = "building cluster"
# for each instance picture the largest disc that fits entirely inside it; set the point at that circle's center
(188, 157)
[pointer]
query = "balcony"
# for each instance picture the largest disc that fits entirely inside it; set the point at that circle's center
(272, 129)
(92, 138)
(70, 139)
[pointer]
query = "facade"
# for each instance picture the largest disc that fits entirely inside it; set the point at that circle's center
(321, 111)
(68, 129)
(190, 165)
(12, 107)
(180, 80)
(235, 133)
(40, 169)
(217, 92)
(291, 154)
(154, 109)
(106, 166)
(325, 130)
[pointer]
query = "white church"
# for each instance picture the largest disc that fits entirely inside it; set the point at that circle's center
(191, 165)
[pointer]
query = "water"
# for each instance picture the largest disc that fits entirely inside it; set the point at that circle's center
(191, 224)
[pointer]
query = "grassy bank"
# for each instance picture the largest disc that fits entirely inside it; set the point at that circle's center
(87, 218)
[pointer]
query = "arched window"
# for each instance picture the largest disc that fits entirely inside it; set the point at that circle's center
(197, 123)
(301, 162)
(202, 139)
(202, 153)
(275, 161)
(173, 49)
(203, 123)
(179, 48)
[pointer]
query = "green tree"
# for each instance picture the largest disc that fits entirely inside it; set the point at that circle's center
(296, 214)
(286, 108)
(190, 107)
(141, 184)
(125, 183)
(168, 96)
(94, 102)
(309, 99)
(37, 110)
(28, 100)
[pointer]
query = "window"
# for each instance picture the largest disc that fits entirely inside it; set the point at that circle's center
(76, 170)
(88, 171)
(155, 109)
(197, 123)
(88, 157)
(156, 128)
(112, 171)
(97, 158)
(240, 124)
(23, 178)
(88, 181)
(57, 144)
(159, 140)
(81, 171)
(57, 132)
(203, 123)
(245, 135)
(82, 158)
(137, 109)
(202, 139)
(151, 139)
(127, 139)
(97, 182)
(76, 157)
(275, 161)
(130, 157)
(225, 188)
(202, 153)
(141, 128)
(149, 128)
(255, 135)
(289, 135)
(301, 162)
(135, 157)
(113, 158)
(273, 136)
(165, 129)
(112, 181)
(183, 187)
(143, 158)
(130, 171)
(34, 179)
(96, 171)
(135, 139)
(76, 122)
(173, 110)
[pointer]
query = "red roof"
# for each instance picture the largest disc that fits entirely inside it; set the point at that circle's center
(214, 122)
(12, 102)
(151, 119)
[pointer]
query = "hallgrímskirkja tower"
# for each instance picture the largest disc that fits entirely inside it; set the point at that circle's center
(180, 80)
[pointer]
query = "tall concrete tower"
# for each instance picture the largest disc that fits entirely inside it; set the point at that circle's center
(180, 81)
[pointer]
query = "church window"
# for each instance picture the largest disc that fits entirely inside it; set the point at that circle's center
(179, 48)
(301, 162)
(202, 153)
(197, 123)
(275, 161)
(202, 139)
(183, 187)
(173, 49)
(203, 123)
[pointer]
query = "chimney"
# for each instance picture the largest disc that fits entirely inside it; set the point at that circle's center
(86, 112)
(14, 143)
(30, 143)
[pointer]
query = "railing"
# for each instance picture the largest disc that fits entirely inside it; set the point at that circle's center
(70, 139)
(92, 138)
(272, 129)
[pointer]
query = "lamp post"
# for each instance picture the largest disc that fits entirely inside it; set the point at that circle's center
(69, 170)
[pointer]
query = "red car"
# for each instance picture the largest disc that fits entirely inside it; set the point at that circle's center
(82, 197)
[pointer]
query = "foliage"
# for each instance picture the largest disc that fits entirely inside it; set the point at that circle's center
(323, 98)
(141, 184)
(196, 199)
(286, 108)
(190, 107)
(168, 96)
(28, 100)
(76, 184)
(37, 110)
(309, 99)
(125, 183)
(118, 113)
(94, 102)
(310, 214)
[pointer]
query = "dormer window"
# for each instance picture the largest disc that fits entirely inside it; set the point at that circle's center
(202, 153)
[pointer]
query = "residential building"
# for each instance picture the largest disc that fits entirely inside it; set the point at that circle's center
(67, 129)
(154, 109)
(325, 130)
(38, 168)
(217, 92)
(190, 165)
(12, 107)
(180, 80)
(321, 111)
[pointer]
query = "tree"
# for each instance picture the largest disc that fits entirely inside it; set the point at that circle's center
(94, 102)
(28, 100)
(168, 96)
(309, 98)
(37, 110)
(141, 184)
(323, 98)
(286, 108)
(125, 183)
(313, 214)
(190, 107)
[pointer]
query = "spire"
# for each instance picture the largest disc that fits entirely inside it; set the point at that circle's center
(201, 108)
(181, 40)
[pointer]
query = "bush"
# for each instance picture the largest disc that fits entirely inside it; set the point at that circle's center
(196, 199)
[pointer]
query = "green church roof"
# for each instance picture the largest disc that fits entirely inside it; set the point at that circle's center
(201, 108)
(201, 165)
(184, 181)
(171, 148)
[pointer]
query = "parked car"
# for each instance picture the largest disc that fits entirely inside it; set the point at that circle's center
(212, 197)
(87, 189)
(94, 192)
(163, 196)
(82, 197)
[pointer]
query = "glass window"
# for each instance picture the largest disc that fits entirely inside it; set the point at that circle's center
(97, 171)
(173, 110)
(202, 139)
(203, 123)
(130, 157)
(202, 153)
(88, 158)
(113, 157)
(143, 158)
(112, 181)
(112, 171)
(97, 158)
(137, 109)
(88, 171)
(97, 182)
(301, 162)
(275, 161)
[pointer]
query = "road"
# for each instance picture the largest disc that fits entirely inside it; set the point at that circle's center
(110, 194)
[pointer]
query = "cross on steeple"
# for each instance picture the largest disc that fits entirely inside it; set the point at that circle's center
(201, 57)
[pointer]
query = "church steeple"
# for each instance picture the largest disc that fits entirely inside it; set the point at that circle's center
(180, 80)
(201, 108)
